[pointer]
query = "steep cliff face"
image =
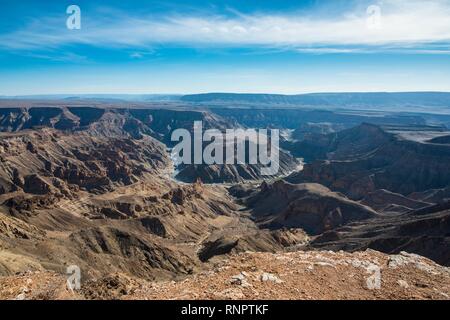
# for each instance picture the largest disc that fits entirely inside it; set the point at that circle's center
(50, 161)
(256, 116)
(311, 207)
(223, 173)
(350, 143)
(398, 171)
(423, 231)
(137, 124)
(164, 122)
(15, 119)
(107, 121)
(367, 158)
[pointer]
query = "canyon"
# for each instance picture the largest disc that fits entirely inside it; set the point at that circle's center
(93, 185)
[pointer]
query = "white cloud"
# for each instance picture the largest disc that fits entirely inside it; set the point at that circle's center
(136, 55)
(142, 54)
(405, 25)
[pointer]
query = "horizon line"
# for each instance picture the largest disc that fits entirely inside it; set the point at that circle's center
(75, 95)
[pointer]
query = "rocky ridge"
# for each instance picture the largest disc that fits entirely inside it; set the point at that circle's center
(297, 275)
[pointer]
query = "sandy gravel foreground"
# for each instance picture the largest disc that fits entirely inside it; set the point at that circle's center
(297, 275)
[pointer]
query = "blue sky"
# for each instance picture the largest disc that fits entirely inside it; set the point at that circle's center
(283, 46)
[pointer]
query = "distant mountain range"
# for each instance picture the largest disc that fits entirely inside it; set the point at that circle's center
(423, 102)
(398, 101)
(98, 97)
(351, 98)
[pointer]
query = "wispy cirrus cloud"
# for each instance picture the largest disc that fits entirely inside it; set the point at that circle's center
(415, 26)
